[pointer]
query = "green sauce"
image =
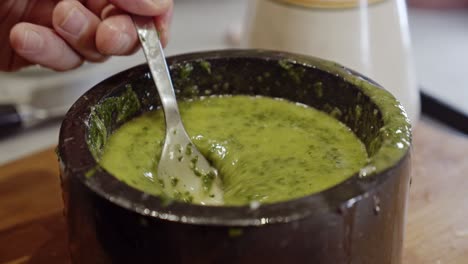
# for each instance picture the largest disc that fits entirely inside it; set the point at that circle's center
(266, 150)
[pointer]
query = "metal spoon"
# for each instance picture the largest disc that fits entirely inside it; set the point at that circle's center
(184, 171)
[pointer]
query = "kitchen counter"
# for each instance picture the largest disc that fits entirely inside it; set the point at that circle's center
(32, 228)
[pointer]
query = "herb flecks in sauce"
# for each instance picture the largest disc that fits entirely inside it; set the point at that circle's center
(295, 73)
(100, 122)
(266, 150)
(206, 66)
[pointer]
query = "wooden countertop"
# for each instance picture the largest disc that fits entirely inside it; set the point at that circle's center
(32, 229)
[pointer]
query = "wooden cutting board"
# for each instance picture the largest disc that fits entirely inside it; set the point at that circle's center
(32, 229)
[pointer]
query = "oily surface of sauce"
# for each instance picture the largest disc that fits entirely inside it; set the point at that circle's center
(265, 149)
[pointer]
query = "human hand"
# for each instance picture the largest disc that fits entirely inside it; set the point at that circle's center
(61, 35)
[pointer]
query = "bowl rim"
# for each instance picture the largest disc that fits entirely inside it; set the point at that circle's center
(77, 161)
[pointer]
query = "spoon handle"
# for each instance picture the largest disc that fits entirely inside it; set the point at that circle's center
(153, 51)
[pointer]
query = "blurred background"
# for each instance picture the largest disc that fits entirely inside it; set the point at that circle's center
(425, 48)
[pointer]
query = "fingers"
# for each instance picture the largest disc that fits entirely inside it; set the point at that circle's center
(18, 63)
(143, 7)
(40, 12)
(116, 35)
(40, 45)
(162, 24)
(111, 10)
(96, 6)
(80, 33)
(77, 25)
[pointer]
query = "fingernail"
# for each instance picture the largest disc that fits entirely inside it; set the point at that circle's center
(75, 22)
(122, 44)
(32, 41)
(118, 41)
(162, 34)
(158, 3)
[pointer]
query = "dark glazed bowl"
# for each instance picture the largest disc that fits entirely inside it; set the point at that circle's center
(360, 220)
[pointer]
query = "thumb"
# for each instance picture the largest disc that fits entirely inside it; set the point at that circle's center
(143, 7)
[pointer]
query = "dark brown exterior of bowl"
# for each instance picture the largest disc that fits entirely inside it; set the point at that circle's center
(357, 221)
